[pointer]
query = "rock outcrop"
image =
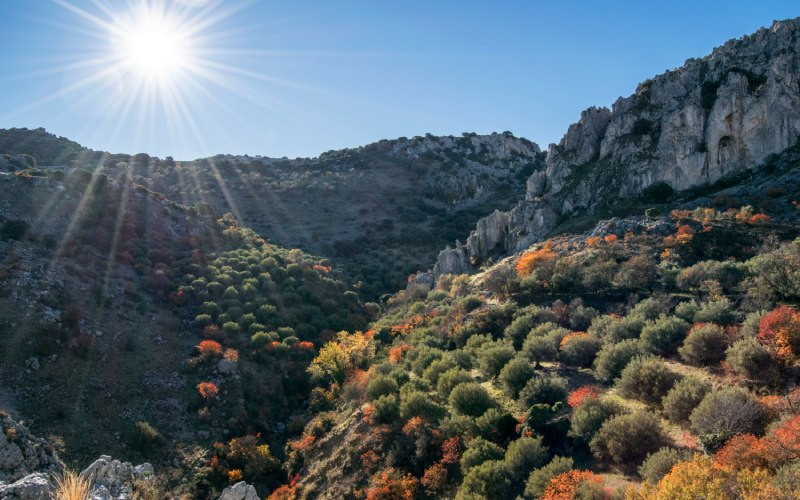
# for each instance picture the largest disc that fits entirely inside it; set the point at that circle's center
(114, 480)
(239, 491)
(689, 127)
(22, 454)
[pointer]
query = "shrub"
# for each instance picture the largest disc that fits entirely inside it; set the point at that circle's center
(380, 386)
(587, 419)
(683, 398)
(524, 322)
(145, 438)
(659, 192)
(470, 399)
(435, 369)
(488, 480)
(537, 481)
(628, 439)
(659, 463)
(718, 311)
(208, 390)
(779, 330)
(525, 454)
(479, 451)
(612, 329)
(574, 484)
(540, 348)
(496, 424)
(647, 380)
(419, 404)
(583, 394)
(451, 378)
(492, 359)
(705, 345)
(515, 375)
(636, 273)
(385, 409)
(613, 358)
(748, 358)
(663, 335)
(724, 413)
(208, 348)
(544, 390)
(580, 350)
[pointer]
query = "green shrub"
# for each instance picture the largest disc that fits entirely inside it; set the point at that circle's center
(659, 463)
(515, 375)
(537, 481)
(719, 311)
(686, 310)
(419, 404)
(647, 380)
(683, 398)
(540, 349)
(613, 358)
(386, 409)
(470, 399)
(479, 451)
(451, 378)
(524, 321)
(544, 390)
(488, 480)
(492, 359)
(145, 438)
(724, 413)
(705, 345)
(663, 335)
(380, 386)
(435, 369)
(580, 350)
(525, 454)
(627, 439)
(496, 424)
(587, 418)
(613, 330)
(749, 358)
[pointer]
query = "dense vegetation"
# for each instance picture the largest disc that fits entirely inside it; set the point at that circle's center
(647, 364)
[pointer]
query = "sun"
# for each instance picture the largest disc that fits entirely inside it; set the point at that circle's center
(153, 45)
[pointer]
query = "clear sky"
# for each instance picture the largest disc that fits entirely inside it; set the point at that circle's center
(297, 78)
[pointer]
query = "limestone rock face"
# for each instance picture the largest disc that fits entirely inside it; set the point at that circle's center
(689, 127)
(31, 487)
(22, 454)
(239, 491)
(112, 479)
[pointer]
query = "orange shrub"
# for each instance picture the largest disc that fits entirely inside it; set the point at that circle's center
(235, 475)
(391, 484)
(209, 348)
(434, 479)
(207, 389)
(231, 355)
(610, 238)
(564, 486)
(396, 353)
(684, 234)
(741, 452)
(581, 394)
(593, 241)
(779, 330)
(451, 450)
(569, 337)
(305, 345)
(303, 444)
(210, 331)
(756, 219)
(533, 259)
(369, 460)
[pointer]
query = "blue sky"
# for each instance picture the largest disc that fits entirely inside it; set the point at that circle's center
(299, 78)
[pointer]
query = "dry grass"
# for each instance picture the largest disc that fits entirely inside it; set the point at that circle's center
(71, 486)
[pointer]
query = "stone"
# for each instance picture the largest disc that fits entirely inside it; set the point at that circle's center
(239, 491)
(22, 454)
(32, 487)
(689, 127)
(225, 366)
(113, 480)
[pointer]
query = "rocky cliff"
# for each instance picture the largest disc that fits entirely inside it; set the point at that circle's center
(689, 127)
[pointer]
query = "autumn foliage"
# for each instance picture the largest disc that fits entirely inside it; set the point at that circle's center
(533, 259)
(581, 394)
(565, 485)
(779, 330)
(392, 484)
(207, 389)
(209, 348)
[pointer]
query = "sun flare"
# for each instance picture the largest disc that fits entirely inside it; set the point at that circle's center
(151, 44)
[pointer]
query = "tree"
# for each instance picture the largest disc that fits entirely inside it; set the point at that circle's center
(750, 359)
(646, 379)
(470, 399)
(566, 485)
(613, 358)
(544, 390)
(659, 463)
(628, 439)
(380, 386)
(705, 345)
(579, 350)
(523, 455)
(724, 413)
(493, 359)
(663, 335)
(779, 330)
(515, 375)
(541, 259)
(539, 478)
(589, 417)
(490, 479)
(480, 450)
(683, 398)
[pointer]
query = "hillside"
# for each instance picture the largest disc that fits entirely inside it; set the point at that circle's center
(382, 211)
(622, 322)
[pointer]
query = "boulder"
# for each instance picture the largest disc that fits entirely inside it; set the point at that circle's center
(239, 491)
